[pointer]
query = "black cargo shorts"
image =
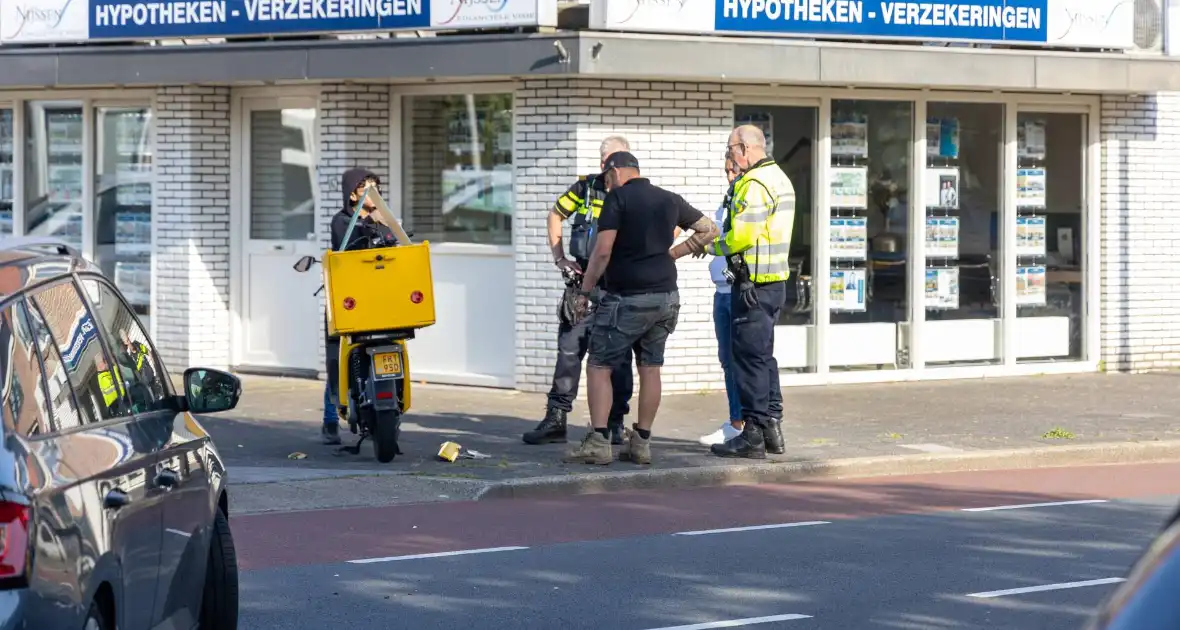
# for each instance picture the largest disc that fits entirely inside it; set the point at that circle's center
(640, 323)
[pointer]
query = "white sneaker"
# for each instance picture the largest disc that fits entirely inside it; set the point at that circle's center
(721, 435)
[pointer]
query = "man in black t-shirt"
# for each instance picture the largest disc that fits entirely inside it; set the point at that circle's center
(639, 305)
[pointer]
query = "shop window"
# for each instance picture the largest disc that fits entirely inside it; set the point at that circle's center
(53, 170)
(790, 134)
(872, 143)
(963, 190)
(7, 174)
(123, 201)
(457, 183)
(1050, 207)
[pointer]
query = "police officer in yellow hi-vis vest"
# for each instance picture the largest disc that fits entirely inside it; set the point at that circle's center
(756, 242)
(583, 201)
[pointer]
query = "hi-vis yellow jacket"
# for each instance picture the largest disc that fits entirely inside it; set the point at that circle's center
(759, 221)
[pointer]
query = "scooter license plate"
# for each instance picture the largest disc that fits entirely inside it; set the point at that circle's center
(387, 364)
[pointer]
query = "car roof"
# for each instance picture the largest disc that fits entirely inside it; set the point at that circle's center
(29, 260)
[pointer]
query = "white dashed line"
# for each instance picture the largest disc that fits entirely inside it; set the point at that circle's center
(749, 529)
(736, 623)
(442, 554)
(1032, 505)
(1046, 587)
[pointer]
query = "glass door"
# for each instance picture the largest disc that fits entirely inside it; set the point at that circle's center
(54, 167)
(123, 201)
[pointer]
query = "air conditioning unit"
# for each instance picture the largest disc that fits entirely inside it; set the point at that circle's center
(1149, 26)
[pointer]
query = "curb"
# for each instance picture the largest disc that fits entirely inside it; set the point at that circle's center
(857, 467)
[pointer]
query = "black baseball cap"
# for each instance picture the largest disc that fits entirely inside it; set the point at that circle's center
(619, 159)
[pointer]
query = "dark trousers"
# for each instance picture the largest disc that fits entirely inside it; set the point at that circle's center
(572, 345)
(753, 353)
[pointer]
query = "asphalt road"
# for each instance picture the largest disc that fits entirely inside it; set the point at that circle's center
(927, 553)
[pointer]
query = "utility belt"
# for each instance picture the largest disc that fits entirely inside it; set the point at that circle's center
(736, 269)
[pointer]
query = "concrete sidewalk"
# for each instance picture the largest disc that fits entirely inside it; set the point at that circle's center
(836, 430)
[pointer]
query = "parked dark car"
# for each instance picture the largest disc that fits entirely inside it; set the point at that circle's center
(1150, 598)
(113, 503)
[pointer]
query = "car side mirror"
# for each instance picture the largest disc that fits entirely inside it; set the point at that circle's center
(305, 263)
(211, 391)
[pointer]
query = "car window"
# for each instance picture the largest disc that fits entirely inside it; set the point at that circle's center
(142, 377)
(25, 405)
(96, 384)
(61, 393)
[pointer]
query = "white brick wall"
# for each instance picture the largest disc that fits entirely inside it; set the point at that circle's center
(1140, 219)
(677, 131)
(353, 133)
(191, 215)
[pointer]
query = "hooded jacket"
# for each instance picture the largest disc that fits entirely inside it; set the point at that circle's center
(366, 228)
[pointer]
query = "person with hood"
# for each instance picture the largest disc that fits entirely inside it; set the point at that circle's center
(366, 234)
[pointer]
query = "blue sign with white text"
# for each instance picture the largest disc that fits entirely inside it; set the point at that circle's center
(978, 20)
(159, 19)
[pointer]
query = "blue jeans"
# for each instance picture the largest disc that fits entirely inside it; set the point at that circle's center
(329, 409)
(722, 327)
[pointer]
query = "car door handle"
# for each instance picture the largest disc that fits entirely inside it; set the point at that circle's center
(167, 478)
(115, 499)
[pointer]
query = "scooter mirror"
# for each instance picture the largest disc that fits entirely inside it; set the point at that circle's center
(305, 263)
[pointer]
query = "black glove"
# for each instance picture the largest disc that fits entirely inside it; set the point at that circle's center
(748, 294)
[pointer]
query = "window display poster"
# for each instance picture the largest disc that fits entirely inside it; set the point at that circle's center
(6, 189)
(847, 291)
(763, 121)
(942, 138)
(942, 237)
(133, 233)
(64, 131)
(850, 136)
(6, 135)
(1030, 236)
(134, 279)
(942, 188)
(65, 183)
(5, 222)
(942, 288)
(1030, 139)
(1030, 286)
(1030, 188)
(848, 238)
(131, 130)
(850, 187)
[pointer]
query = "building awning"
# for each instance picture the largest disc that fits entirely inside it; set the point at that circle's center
(591, 54)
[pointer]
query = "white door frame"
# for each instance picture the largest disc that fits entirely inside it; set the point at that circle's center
(242, 101)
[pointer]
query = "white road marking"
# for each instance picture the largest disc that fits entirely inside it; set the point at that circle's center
(178, 532)
(932, 448)
(749, 529)
(1047, 587)
(1032, 505)
(442, 554)
(736, 623)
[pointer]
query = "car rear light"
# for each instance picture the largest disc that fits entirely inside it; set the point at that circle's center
(416, 297)
(14, 540)
(349, 304)
(384, 395)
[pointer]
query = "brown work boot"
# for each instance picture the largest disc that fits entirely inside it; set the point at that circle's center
(594, 449)
(636, 450)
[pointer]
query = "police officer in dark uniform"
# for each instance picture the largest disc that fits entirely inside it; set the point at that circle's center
(583, 202)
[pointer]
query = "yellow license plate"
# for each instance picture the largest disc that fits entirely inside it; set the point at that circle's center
(387, 363)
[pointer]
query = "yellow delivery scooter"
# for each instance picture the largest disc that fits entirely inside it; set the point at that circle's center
(376, 299)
